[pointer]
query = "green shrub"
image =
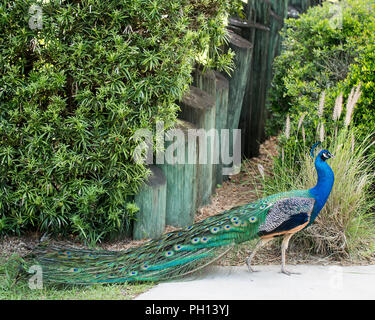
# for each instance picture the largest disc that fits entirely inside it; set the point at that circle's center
(74, 92)
(330, 48)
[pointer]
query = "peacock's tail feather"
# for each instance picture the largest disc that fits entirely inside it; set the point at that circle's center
(185, 251)
(173, 255)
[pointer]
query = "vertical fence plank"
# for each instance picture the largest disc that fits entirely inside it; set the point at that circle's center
(199, 108)
(180, 175)
(237, 83)
(151, 200)
(216, 85)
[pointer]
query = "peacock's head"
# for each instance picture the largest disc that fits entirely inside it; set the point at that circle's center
(325, 155)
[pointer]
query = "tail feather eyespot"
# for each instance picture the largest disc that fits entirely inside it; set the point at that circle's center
(252, 219)
(215, 230)
(204, 239)
(177, 247)
(169, 254)
(195, 240)
(227, 227)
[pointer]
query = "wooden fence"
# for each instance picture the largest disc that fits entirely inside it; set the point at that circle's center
(174, 192)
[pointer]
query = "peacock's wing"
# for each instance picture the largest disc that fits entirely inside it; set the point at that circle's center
(173, 255)
(287, 215)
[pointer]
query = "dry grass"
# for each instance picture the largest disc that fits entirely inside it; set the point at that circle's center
(344, 228)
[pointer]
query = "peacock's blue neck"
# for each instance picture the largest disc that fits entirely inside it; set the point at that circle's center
(323, 187)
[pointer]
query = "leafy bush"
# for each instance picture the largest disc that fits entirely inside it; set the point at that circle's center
(330, 48)
(74, 90)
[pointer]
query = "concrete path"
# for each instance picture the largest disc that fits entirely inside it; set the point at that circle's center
(236, 283)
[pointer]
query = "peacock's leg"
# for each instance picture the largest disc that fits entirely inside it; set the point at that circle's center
(284, 247)
(260, 243)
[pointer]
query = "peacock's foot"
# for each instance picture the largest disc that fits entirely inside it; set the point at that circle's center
(288, 273)
(249, 267)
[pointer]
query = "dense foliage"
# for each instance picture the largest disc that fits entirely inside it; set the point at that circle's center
(331, 49)
(74, 90)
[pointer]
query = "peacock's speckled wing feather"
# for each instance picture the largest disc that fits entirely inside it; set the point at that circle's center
(173, 255)
(287, 214)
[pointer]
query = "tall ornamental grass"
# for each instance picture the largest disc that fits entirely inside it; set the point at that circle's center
(346, 226)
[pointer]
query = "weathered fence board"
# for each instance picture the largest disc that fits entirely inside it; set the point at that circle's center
(151, 200)
(216, 85)
(222, 96)
(267, 43)
(180, 175)
(252, 116)
(237, 83)
(199, 108)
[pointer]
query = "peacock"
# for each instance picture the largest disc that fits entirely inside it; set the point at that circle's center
(190, 249)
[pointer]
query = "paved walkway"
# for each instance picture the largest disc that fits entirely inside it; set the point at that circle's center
(236, 283)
